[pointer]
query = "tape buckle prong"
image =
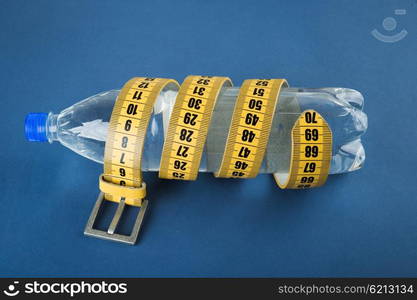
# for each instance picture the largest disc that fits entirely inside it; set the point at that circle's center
(111, 234)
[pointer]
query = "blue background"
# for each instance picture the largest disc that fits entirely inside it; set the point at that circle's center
(54, 53)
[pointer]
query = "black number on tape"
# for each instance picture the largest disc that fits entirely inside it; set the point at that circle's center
(143, 85)
(180, 165)
(124, 141)
(244, 152)
(132, 109)
(190, 118)
(251, 119)
(182, 151)
(305, 179)
(203, 81)
(199, 90)
(310, 117)
(128, 125)
(255, 104)
(262, 83)
(310, 167)
(194, 103)
(311, 151)
(248, 136)
(311, 134)
(241, 165)
(258, 92)
(137, 95)
(178, 175)
(185, 135)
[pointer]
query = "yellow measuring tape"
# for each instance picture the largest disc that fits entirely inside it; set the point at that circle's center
(188, 126)
(248, 136)
(122, 179)
(126, 135)
(250, 128)
(310, 155)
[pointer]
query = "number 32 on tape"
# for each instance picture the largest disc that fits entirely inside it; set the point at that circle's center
(188, 126)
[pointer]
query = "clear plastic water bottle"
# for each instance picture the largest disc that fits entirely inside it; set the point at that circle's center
(83, 126)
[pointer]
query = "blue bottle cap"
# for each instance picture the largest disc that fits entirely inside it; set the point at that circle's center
(35, 127)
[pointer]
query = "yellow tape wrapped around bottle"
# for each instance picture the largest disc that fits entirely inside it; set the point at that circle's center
(250, 128)
(122, 176)
(311, 152)
(189, 125)
(311, 141)
(249, 133)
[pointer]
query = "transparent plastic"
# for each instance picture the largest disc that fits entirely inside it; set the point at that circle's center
(82, 127)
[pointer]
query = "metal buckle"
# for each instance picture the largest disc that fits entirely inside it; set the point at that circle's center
(110, 233)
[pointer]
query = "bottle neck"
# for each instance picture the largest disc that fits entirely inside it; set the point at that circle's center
(52, 127)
